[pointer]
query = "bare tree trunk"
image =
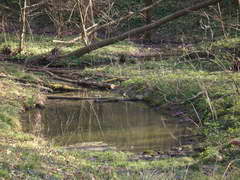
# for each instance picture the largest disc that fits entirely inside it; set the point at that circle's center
(85, 8)
(23, 26)
(136, 31)
(148, 19)
(82, 12)
(237, 2)
(96, 28)
(92, 36)
(3, 27)
(180, 13)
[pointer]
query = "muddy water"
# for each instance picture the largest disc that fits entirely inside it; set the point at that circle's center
(124, 125)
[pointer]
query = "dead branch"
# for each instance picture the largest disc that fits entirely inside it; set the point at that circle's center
(36, 84)
(83, 83)
(142, 29)
(8, 9)
(96, 27)
(199, 94)
(95, 99)
(41, 88)
(37, 5)
(136, 31)
(69, 73)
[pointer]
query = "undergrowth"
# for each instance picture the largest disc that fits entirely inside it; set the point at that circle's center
(25, 156)
(209, 92)
(204, 88)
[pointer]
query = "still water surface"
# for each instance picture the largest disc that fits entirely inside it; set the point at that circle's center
(124, 125)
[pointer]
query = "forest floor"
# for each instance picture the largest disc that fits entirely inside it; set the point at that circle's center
(195, 78)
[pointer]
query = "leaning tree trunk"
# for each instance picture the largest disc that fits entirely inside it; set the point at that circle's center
(180, 13)
(136, 31)
(95, 29)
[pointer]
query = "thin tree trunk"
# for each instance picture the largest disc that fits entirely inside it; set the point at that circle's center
(82, 12)
(23, 26)
(96, 28)
(136, 31)
(92, 36)
(237, 2)
(3, 28)
(148, 19)
(166, 19)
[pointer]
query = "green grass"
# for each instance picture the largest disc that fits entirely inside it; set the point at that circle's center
(15, 95)
(26, 156)
(206, 89)
(37, 45)
(36, 159)
(164, 83)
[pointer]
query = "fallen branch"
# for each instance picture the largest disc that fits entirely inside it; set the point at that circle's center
(57, 87)
(26, 83)
(41, 88)
(95, 99)
(70, 73)
(8, 9)
(86, 83)
(38, 82)
(111, 80)
(82, 83)
(199, 94)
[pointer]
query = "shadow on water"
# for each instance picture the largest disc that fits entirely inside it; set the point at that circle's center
(125, 125)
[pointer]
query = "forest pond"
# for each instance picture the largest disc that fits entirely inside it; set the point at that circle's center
(131, 126)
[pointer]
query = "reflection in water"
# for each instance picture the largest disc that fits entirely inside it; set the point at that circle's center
(126, 125)
(35, 122)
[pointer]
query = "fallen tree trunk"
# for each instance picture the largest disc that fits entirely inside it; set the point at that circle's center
(140, 30)
(66, 73)
(43, 86)
(136, 31)
(95, 99)
(87, 84)
(83, 83)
